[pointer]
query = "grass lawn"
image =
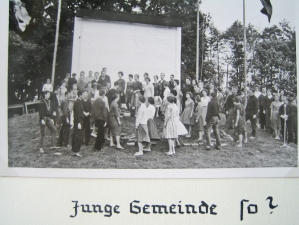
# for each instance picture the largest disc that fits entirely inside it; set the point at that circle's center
(24, 135)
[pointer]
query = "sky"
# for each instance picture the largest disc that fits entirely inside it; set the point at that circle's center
(224, 14)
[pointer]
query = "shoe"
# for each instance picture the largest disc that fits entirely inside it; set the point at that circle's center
(188, 136)
(168, 153)
(93, 135)
(54, 147)
(218, 148)
(252, 137)
(178, 146)
(77, 154)
(67, 146)
(208, 148)
(138, 153)
(120, 148)
(146, 150)
(41, 150)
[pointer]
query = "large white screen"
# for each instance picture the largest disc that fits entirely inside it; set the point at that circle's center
(127, 47)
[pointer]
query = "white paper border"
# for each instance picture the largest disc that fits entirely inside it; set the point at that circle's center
(115, 173)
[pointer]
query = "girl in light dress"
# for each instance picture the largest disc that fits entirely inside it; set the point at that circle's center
(170, 126)
(181, 129)
(205, 99)
(198, 118)
(274, 116)
(187, 115)
(148, 89)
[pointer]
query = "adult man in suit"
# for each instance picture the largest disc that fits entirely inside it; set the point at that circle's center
(212, 120)
(251, 111)
(87, 107)
(286, 118)
(78, 123)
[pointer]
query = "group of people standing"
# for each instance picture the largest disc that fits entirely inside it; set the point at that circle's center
(91, 102)
(271, 112)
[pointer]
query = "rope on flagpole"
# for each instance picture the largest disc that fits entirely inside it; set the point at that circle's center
(56, 43)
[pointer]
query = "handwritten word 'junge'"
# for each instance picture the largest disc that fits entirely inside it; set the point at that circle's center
(95, 209)
(253, 208)
(203, 208)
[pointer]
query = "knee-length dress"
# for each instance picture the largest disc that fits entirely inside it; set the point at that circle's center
(152, 128)
(181, 129)
(137, 88)
(188, 111)
(114, 113)
(129, 91)
(275, 119)
(170, 127)
(198, 116)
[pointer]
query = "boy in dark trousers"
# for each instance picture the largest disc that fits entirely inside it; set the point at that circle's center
(251, 111)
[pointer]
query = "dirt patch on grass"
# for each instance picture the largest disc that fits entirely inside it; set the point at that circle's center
(23, 145)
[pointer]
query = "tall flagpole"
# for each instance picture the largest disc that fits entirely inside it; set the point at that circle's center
(245, 74)
(197, 42)
(56, 43)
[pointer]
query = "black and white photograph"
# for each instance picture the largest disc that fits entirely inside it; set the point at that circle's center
(152, 84)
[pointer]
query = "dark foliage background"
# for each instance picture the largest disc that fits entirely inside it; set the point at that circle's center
(271, 57)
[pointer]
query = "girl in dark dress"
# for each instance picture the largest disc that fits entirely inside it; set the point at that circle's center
(129, 92)
(114, 122)
(121, 87)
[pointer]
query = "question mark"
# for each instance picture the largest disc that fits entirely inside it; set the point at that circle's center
(270, 198)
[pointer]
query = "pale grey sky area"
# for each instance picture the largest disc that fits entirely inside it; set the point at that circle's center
(225, 12)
